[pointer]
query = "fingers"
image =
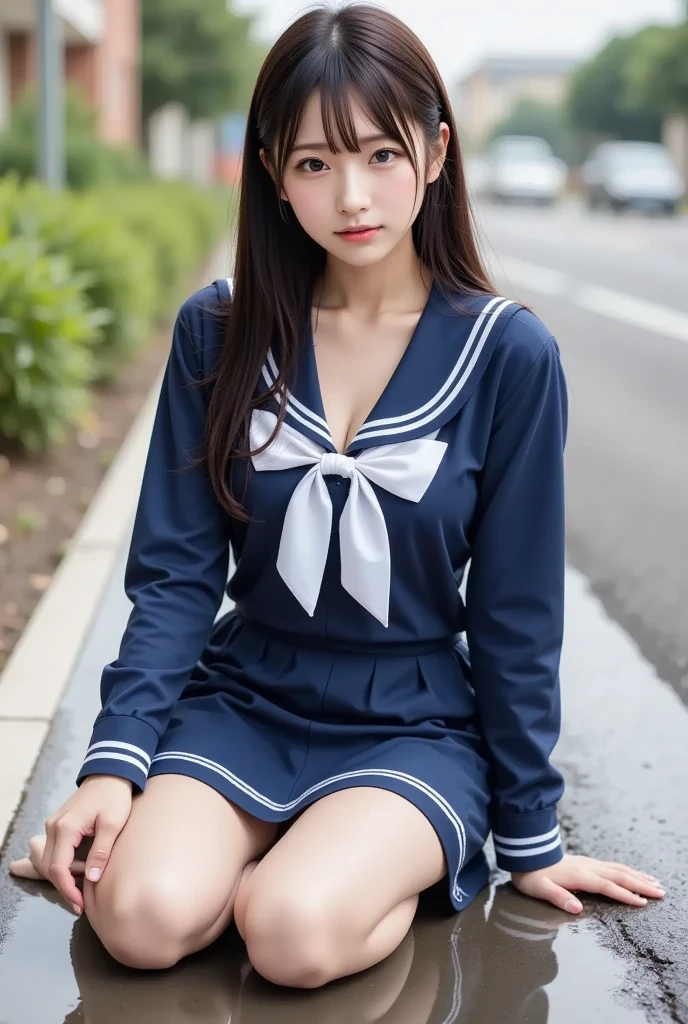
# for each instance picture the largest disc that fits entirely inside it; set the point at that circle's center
(546, 889)
(99, 854)
(633, 881)
(605, 887)
(59, 873)
(24, 868)
(37, 851)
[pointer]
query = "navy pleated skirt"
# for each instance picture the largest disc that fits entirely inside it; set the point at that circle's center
(274, 725)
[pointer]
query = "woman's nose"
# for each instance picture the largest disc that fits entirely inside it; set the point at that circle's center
(354, 194)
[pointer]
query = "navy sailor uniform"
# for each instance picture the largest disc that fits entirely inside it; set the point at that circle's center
(349, 656)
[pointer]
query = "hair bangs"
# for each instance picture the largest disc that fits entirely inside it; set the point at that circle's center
(342, 84)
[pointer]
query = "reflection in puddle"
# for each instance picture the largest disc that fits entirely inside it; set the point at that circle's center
(494, 962)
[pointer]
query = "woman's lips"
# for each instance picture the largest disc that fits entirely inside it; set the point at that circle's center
(363, 235)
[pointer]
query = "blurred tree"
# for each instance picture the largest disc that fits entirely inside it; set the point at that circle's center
(546, 120)
(198, 54)
(658, 70)
(601, 102)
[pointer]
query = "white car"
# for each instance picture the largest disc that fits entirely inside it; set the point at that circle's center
(524, 167)
(622, 175)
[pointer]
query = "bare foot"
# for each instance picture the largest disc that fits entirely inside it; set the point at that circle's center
(30, 867)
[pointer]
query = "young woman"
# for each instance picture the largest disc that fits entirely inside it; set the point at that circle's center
(358, 420)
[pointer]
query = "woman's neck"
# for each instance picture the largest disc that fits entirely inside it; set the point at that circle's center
(397, 283)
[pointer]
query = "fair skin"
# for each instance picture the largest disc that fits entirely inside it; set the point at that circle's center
(291, 897)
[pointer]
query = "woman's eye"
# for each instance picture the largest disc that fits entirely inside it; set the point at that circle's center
(312, 160)
(388, 153)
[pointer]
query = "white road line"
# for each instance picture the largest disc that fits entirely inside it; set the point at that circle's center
(637, 312)
(627, 309)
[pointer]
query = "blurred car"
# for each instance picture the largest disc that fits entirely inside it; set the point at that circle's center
(622, 175)
(523, 167)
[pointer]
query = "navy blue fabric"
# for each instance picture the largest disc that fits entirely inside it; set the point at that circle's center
(274, 707)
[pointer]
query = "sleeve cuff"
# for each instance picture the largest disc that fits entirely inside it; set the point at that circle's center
(527, 842)
(120, 745)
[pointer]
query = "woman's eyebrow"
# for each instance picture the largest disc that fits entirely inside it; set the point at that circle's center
(323, 145)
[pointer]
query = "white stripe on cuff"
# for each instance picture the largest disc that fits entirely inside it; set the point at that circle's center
(533, 852)
(111, 756)
(524, 842)
(120, 745)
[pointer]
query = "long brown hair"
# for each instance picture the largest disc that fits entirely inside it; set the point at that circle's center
(357, 48)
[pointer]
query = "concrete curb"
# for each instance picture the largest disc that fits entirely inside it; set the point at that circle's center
(41, 664)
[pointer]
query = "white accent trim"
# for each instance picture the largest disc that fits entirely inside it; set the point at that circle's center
(316, 422)
(447, 384)
(536, 851)
(294, 401)
(292, 411)
(410, 780)
(365, 433)
(524, 842)
(121, 745)
(110, 756)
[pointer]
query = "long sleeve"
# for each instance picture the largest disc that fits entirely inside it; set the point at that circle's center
(515, 608)
(176, 571)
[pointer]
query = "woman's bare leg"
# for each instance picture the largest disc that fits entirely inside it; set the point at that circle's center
(170, 884)
(338, 892)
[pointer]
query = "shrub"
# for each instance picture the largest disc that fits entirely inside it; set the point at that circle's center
(46, 328)
(82, 277)
(119, 270)
(179, 222)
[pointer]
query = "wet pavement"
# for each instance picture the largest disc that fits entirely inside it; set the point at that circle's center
(506, 958)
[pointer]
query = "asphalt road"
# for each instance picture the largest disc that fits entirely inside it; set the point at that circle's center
(614, 292)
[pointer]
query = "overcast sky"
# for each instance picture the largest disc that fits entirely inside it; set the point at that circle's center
(459, 33)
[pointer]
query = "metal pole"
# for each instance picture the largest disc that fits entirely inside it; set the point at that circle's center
(51, 160)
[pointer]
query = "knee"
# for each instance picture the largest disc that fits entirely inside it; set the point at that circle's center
(144, 925)
(291, 939)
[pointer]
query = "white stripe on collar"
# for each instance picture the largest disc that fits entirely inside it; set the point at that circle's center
(294, 402)
(291, 401)
(367, 430)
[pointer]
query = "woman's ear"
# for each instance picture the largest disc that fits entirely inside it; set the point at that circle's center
(266, 162)
(268, 167)
(439, 153)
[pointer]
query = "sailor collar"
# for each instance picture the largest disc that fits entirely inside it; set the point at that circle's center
(439, 370)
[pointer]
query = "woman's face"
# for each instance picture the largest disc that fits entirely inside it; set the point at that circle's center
(376, 188)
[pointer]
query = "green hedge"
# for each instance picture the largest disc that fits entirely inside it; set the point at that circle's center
(96, 269)
(46, 330)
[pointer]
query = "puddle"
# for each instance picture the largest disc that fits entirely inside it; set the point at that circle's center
(504, 959)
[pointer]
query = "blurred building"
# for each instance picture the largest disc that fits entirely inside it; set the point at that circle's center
(102, 45)
(490, 93)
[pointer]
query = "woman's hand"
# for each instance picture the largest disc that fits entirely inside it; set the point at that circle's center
(99, 808)
(616, 881)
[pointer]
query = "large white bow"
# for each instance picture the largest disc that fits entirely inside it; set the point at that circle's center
(405, 469)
